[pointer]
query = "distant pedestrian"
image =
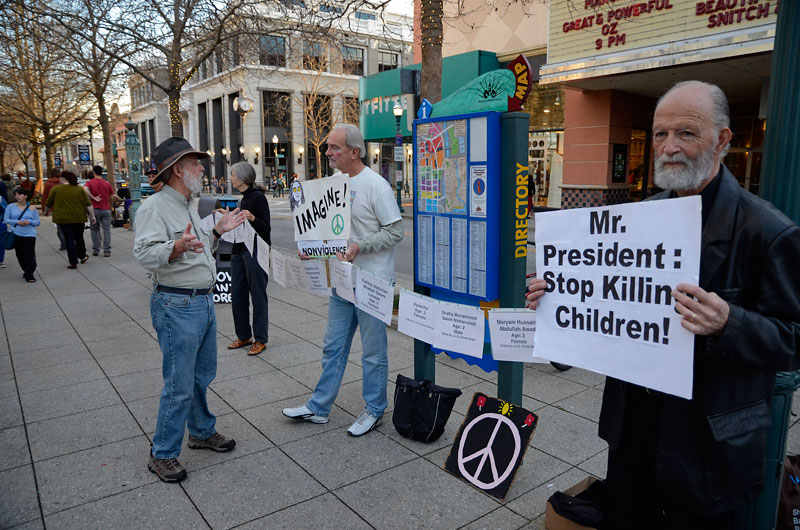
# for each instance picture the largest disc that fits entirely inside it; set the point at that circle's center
(100, 193)
(71, 207)
(177, 252)
(22, 220)
(248, 279)
(274, 187)
(53, 181)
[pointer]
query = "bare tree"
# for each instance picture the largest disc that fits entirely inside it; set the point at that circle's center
(431, 33)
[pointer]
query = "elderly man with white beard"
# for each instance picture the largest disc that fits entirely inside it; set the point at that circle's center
(685, 464)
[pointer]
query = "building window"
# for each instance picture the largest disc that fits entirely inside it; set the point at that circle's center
(333, 10)
(352, 60)
(386, 61)
(272, 50)
(361, 15)
(314, 56)
(276, 109)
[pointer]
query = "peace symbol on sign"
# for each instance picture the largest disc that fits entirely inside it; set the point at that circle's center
(337, 224)
(487, 454)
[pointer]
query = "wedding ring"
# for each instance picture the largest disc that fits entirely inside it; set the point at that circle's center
(692, 318)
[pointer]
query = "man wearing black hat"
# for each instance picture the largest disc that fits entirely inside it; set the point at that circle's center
(177, 252)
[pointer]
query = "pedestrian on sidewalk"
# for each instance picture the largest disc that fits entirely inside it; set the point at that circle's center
(71, 207)
(177, 251)
(376, 227)
(52, 181)
(248, 279)
(23, 220)
(100, 193)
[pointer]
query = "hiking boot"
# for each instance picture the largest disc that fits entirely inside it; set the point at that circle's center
(304, 413)
(216, 442)
(363, 424)
(167, 469)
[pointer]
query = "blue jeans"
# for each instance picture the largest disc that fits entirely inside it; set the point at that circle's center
(248, 280)
(343, 317)
(103, 221)
(187, 334)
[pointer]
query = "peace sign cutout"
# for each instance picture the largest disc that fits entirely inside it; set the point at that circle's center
(487, 453)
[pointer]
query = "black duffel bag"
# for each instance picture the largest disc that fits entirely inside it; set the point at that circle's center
(421, 409)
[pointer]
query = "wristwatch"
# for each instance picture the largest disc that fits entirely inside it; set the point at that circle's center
(216, 234)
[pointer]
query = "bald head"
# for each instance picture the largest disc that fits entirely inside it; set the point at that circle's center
(691, 135)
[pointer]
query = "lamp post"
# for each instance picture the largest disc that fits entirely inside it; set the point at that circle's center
(398, 150)
(91, 147)
(275, 151)
(133, 152)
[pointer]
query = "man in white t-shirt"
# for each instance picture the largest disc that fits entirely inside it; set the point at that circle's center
(375, 228)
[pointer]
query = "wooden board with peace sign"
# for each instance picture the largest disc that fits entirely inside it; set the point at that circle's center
(490, 444)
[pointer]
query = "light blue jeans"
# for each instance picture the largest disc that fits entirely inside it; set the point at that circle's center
(343, 317)
(103, 221)
(187, 334)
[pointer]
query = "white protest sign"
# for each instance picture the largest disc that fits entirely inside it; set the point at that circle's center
(459, 328)
(415, 315)
(278, 262)
(322, 248)
(262, 254)
(512, 332)
(374, 296)
(342, 279)
(316, 277)
(295, 274)
(610, 272)
(207, 222)
(321, 213)
(227, 236)
(249, 237)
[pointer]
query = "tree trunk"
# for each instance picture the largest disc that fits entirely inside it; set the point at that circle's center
(431, 32)
(319, 161)
(108, 155)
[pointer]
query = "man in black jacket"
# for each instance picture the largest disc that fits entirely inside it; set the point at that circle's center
(688, 464)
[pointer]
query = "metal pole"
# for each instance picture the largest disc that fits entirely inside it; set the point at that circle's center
(134, 153)
(398, 164)
(91, 147)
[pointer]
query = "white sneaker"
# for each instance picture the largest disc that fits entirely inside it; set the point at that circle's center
(2, 265)
(303, 413)
(363, 424)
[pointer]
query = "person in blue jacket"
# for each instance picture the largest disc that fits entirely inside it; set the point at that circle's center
(22, 220)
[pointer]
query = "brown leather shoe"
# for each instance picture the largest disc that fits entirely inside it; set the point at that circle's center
(257, 348)
(239, 343)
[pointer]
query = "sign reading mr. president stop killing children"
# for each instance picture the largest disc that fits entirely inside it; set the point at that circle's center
(610, 272)
(321, 212)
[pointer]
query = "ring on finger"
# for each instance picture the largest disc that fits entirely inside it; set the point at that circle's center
(691, 319)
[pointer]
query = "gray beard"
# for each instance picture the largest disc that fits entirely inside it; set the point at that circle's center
(689, 177)
(195, 185)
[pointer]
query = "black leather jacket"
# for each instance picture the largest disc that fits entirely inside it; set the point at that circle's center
(711, 448)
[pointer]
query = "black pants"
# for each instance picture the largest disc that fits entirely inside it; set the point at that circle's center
(249, 279)
(25, 248)
(73, 236)
(631, 492)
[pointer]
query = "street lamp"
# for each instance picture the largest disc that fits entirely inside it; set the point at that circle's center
(257, 150)
(132, 151)
(275, 150)
(398, 153)
(91, 147)
(300, 150)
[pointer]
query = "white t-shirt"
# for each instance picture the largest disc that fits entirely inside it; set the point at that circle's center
(372, 205)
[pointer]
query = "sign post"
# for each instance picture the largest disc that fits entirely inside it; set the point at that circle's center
(134, 153)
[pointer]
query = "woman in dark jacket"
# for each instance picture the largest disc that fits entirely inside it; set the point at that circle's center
(248, 279)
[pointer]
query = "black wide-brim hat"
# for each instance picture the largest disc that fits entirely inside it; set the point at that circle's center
(170, 151)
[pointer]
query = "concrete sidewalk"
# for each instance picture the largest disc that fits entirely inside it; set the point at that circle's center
(79, 384)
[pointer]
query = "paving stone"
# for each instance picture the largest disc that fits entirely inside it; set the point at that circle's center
(55, 402)
(260, 389)
(281, 430)
(248, 440)
(17, 496)
(140, 385)
(500, 519)
(59, 375)
(425, 496)
(10, 413)
(15, 448)
(86, 476)
(8, 385)
(325, 512)
(555, 426)
(490, 389)
(239, 364)
(532, 504)
(586, 404)
(577, 375)
(597, 464)
(336, 459)
(108, 347)
(36, 524)
(424, 448)
(115, 330)
(157, 505)
(54, 323)
(350, 398)
(37, 341)
(76, 432)
(308, 374)
(244, 489)
(293, 354)
(548, 388)
(5, 364)
(51, 356)
(145, 411)
(131, 362)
